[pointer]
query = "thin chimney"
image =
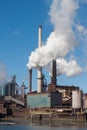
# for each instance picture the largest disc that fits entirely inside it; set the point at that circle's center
(53, 79)
(30, 80)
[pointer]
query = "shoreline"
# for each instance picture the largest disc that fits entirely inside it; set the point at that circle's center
(23, 117)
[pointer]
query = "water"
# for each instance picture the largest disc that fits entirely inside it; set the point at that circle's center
(42, 125)
(37, 128)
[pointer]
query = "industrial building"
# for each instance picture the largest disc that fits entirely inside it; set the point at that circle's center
(51, 95)
(54, 99)
(44, 100)
(11, 88)
(11, 98)
(59, 98)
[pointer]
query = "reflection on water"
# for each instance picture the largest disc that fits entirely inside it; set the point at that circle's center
(42, 125)
(38, 128)
(59, 124)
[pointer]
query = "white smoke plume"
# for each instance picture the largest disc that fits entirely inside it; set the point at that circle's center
(2, 74)
(61, 41)
(82, 32)
(68, 68)
(83, 1)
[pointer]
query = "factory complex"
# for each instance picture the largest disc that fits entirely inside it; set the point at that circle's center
(53, 95)
(48, 98)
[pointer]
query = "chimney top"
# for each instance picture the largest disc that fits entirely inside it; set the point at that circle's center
(40, 26)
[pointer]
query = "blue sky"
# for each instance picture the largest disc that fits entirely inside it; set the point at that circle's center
(19, 22)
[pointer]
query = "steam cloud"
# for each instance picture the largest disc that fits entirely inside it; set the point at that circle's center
(2, 75)
(70, 68)
(61, 41)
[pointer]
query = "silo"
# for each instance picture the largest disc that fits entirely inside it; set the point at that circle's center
(85, 101)
(76, 99)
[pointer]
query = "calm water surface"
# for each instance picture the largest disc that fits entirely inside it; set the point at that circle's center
(37, 128)
(42, 125)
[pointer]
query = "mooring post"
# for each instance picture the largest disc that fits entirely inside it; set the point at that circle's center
(49, 116)
(40, 117)
(31, 117)
(86, 115)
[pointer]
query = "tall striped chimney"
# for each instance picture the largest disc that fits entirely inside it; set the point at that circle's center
(39, 73)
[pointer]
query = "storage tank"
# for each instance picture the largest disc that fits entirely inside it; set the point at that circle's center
(77, 99)
(85, 101)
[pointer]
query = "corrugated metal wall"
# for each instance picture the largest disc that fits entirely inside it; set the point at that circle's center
(38, 100)
(56, 99)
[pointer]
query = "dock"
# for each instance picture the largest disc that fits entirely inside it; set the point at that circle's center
(57, 114)
(40, 113)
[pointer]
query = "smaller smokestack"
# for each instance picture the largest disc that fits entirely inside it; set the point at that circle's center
(53, 79)
(30, 80)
